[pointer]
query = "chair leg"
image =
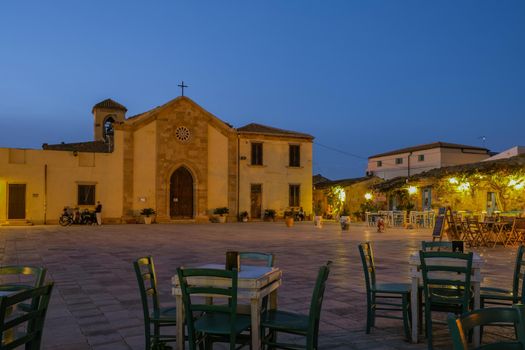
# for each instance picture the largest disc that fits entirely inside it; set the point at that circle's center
(428, 321)
(368, 315)
(406, 316)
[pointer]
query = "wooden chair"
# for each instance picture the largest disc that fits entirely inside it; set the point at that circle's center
(500, 296)
(266, 258)
(462, 326)
(154, 315)
(208, 323)
(476, 234)
(26, 327)
(440, 246)
(376, 293)
(37, 274)
(446, 287)
(516, 234)
(278, 321)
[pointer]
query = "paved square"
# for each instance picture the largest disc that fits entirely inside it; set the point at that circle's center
(96, 302)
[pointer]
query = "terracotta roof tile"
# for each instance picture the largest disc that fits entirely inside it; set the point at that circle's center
(254, 128)
(110, 104)
(92, 146)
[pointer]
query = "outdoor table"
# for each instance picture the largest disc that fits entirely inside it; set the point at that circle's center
(371, 218)
(254, 283)
(417, 280)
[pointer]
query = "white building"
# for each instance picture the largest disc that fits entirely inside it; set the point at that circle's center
(417, 159)
(511, 152)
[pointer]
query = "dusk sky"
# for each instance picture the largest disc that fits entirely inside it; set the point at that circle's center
(363, 77)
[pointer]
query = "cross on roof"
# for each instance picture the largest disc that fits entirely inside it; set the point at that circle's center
(182, 86)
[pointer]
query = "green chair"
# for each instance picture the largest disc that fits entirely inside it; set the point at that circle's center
(440, 246)
(266, 258)
(38, 275)
(154, 316)
(500, 296)
(383, 296)
(207, 322)
(462, 326)
(277, 321)
(446, 286)
(24, 328)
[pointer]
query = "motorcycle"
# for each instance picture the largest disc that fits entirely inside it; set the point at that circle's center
(75, 216)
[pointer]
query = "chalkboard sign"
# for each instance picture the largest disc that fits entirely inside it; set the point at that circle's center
(442, 211)
(438, 227)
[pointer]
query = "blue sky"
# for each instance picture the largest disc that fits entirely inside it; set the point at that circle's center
(363, 77)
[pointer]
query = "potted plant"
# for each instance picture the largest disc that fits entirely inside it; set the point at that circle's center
(318, 218)
(344, 220)
(221, 211)
(269, 215)
(147, 213)
(288, 218)
(243, 216)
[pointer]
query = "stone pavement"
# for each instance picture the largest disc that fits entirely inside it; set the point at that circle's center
(96, 302)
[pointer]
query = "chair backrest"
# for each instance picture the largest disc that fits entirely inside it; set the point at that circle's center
(147, 280)
(440, 246)
(24, 327)
(444, 272)
(518, 278)
(221, 283)
(316, 305)
(267, 258)
(369, 268)
(518, 225)
(461, 327)
(38, 274)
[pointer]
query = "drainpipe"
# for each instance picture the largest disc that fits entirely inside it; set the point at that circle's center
(409, 164)
(45, 194)
(238, 174)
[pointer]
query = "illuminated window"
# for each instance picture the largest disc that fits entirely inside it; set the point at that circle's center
(257, 153)
(399, 160)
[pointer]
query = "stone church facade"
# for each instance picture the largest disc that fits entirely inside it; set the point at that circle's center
(177, 158)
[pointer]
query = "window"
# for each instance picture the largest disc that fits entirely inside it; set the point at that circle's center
(108, 127)
(294, 196)
(399, 160)
(295, 155)
(421, 158)
(379, 163)
(257, 153)
(86, 194)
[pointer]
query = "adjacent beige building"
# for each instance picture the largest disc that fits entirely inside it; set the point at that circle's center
(176, 158)
(417, 159)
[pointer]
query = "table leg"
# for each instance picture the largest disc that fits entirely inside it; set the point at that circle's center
(255, 318)
(180, 322)
(273, 300)
(414, 305)
(477, 288)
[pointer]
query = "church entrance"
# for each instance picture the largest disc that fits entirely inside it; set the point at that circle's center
(17, 202)
(181, 194)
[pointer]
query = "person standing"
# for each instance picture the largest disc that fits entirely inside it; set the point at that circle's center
(98, 213)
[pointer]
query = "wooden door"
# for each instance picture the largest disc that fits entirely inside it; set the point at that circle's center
(17, 202)
(256, 201)
(181, 194)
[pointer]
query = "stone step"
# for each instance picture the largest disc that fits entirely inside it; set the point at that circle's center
(17, 223)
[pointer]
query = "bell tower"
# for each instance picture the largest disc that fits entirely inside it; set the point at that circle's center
(105, 114)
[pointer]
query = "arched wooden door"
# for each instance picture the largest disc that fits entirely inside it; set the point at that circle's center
(181, 194)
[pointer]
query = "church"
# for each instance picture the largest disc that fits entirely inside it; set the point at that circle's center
(178, 159)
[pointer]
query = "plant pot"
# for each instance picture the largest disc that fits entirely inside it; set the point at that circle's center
(345, 223)
(318, 221)
(147, 220)
(222, 219)
(245, 219)
(288, 221)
